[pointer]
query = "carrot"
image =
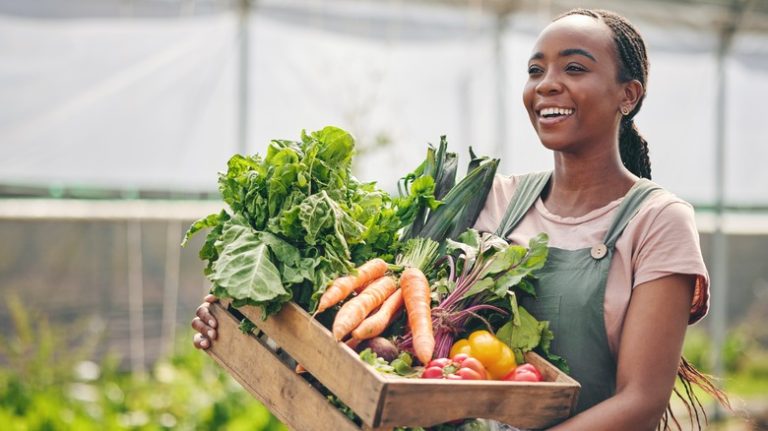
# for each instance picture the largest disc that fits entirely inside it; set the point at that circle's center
(343, 286)
(354, 311)
(376, 323)
(416, 295)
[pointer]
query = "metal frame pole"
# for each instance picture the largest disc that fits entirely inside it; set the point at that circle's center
(500, 81)
(136, 299)
(243, 70)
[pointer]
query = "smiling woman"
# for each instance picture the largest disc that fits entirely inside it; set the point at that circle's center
(624, 274)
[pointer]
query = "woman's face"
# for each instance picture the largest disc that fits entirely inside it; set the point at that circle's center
(572, 94)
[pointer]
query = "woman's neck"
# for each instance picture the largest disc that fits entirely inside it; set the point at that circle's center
(580, 186)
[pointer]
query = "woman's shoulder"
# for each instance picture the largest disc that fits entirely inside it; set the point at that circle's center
(664, 205)
(664, 225)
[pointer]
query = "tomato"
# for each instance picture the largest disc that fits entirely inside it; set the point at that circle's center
(432, 373)
(439, 362)
(460, 346)
(461, 367)
(469, 374)
(524, 373)
(529, 366)
(473, 364)
(460, 357)
(525, 376)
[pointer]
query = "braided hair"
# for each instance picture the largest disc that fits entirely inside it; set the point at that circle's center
(633, 64)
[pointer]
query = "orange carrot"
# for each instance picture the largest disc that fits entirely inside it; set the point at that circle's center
(354, 311)
(416, 295)
(378, 321)
(343, 286)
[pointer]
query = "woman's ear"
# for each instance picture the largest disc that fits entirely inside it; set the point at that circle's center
(633, 92)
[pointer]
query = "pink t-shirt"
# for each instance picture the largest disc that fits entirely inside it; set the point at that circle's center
(660, 240)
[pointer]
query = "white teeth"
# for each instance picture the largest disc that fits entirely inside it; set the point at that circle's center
(556, 111)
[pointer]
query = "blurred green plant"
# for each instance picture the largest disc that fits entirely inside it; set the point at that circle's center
(47, 384)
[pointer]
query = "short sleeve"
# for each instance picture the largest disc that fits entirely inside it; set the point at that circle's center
(496, 203)
(670, 245)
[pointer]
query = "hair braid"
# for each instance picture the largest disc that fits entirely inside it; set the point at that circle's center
(633, 64)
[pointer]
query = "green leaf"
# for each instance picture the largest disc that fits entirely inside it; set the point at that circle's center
(525, 336)
(546, 340)
(479, 286)
(204, 223)
(526, 286)
(446, 165)
(510, 279)
(336, 145)
(244, 268)
(507, 259)
(537, 252)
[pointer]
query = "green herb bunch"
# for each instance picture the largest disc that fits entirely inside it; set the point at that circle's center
(297, 219)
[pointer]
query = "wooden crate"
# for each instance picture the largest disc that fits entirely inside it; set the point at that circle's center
(380, 401)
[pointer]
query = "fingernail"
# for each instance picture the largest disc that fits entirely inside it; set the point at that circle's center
(204, 343)
(212, 323)
(211, 334)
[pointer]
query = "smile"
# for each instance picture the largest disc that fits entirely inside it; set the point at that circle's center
(555, 112)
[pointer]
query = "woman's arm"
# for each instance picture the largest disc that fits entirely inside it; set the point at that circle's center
(649, 355)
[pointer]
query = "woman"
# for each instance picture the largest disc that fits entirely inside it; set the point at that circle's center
(625, 275)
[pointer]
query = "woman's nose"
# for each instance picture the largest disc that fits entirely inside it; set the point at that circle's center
(549, 84)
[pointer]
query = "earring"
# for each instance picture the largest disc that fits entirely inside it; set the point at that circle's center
(624, 110)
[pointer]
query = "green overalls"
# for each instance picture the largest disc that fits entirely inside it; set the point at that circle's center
(571, 291)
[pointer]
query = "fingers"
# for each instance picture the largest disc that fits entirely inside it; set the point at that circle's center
(200, 342)
(204, 313)
(203, 329)
(210, 298)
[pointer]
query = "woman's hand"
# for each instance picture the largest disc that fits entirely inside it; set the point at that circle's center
(205, 324)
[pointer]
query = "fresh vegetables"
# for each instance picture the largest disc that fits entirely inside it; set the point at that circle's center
(382, 347)
(342, 287)
(378, 321)
(354, 311)
(417, 298)
(297, 220)
(460, 203)
(486, 276)
(524, 373)
(401, 365)
(460, 367)
(497, 358)
(300, 227)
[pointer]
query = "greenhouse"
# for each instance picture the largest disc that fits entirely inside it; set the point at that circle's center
(120, 115)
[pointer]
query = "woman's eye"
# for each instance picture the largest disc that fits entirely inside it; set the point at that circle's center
(575, 68)
(532, 70)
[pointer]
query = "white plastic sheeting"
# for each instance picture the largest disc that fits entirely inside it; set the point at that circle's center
(146, 103)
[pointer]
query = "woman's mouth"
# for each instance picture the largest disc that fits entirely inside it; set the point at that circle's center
(550, 116)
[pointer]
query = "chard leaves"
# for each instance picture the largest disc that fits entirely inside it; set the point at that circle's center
(297, 219)
(244, 268)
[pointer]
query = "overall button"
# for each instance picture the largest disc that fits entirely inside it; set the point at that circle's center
(599, 251)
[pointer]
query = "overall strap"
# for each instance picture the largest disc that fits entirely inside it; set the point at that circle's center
(628, 208)
(530, 188)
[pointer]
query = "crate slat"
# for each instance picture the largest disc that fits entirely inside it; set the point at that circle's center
(525, 405)
(334, 364)
(286, 394)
